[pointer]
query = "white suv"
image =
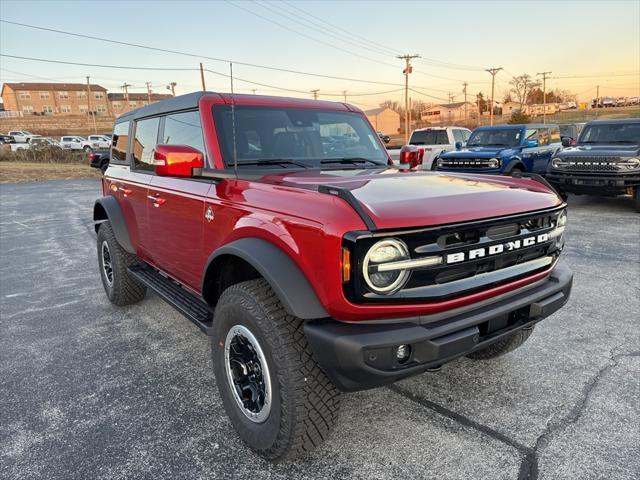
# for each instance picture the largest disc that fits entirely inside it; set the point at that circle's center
(436, 140)
(74, 143)
(22, 136)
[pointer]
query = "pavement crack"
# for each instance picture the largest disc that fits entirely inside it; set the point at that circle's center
(528, 464)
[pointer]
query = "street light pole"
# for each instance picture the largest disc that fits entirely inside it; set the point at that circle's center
(544, 95)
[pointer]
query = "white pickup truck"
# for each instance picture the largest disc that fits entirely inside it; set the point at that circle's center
(434, 141)
(22, 136)
(94, 142)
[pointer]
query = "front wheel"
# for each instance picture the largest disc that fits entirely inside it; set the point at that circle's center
(503, 346)
(278, 399)
(87, 148)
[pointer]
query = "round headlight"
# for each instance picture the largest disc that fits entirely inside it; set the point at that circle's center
(385, 251)
(632, 163)
(494, 163)
(557, 162)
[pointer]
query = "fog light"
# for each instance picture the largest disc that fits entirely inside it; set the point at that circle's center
(403, 352)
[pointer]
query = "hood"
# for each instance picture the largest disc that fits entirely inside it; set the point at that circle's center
(396, 199)
(480, 152)
(616, 150)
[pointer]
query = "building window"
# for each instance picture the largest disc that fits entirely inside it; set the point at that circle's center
(81, 94)
(47, 109)
(132, 104)
(63, 95)
(101, 109)
(116, 105)
(65, 108)
(27, 109)
(98, 95)
(24, 96)
(83, 109)
(44, 95)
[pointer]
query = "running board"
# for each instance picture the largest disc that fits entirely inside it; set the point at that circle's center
(179, 298)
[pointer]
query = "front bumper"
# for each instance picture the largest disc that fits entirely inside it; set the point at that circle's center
(593, 183)
(358, 357)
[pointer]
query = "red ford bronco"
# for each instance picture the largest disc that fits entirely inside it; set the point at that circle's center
(280, 227)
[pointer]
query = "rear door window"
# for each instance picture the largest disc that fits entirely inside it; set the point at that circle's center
(554, 135)
(543, 137)
(120, 141)
(144, 143)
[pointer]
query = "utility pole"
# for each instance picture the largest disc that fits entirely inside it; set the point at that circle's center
(407, 70)
(253, 90)
(204, 88)
(544, 95)
(344, 94)
(125, 86)
(172, 87)
(479, 111)
(95, 128)
(464, 90)
(493, 71)
(315, 93)
(148, 84)
(597, 99)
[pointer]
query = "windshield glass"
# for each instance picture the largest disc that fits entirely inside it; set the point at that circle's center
(611, 133)
(308, 137)
(503, 137)
(429, 137)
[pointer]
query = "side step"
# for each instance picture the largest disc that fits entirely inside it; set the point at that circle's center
(179, 298)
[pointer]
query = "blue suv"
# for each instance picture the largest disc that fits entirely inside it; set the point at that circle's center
(504, 150)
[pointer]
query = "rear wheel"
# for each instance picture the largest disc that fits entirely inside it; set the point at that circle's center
(113, 261)
(103, 167)
(503, 346)
(278, 399)
(87, 148)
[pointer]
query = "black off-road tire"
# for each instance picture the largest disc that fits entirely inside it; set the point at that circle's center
(304, 402)
(103, 167)
(515, 170)
(124, 289)
(503, 346)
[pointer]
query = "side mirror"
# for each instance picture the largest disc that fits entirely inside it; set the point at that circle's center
(459, 145)
(531, 143)
(566, 141)
(411, 155)
(176, 160)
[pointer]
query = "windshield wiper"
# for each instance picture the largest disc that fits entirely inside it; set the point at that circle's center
(273, 161)
(350, 160)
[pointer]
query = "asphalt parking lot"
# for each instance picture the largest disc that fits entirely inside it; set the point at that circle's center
(89, 390)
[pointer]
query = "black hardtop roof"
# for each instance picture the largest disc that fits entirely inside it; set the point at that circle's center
(518, 125)
(182, 102)
(614, 120)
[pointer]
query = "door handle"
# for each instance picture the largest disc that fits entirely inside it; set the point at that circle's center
(125, 191)
(157, 200)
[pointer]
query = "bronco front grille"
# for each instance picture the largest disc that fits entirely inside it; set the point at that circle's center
(475, 256)
(465, 163)
(590, 164)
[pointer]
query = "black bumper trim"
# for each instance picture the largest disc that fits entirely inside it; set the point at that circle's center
(358, 357)
(593, 183)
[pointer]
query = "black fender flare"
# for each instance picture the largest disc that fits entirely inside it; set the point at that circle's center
(514, 162)
(108, 209)
(285, 277)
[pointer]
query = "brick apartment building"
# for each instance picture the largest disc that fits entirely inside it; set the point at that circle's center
(55, 98)
(120, 103)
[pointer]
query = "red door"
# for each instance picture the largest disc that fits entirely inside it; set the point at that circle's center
(176, 215)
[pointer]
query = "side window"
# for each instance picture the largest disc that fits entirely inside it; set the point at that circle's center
(531, 134)
(466, 134)
(184, 129)
(554, 135)
(146, 138)
(120, 141)
(543, 137)
(457, 135)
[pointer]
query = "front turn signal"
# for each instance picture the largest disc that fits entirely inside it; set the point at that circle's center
(346, 265)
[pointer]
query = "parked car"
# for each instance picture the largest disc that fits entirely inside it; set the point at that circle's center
(21, 136)
(6, 139)
(44, 142)
(621, 101)
(604, 161)
(100, 159)
(570, 131)
(72, 142)
(96, 142)
(432, 142)
(608, 102)
(384, 138)
(633, 101)
(505, 150)
(315, 273)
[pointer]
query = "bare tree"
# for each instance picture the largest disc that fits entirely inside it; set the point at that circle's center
(521, 86)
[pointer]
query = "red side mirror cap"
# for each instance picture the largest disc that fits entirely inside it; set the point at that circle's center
(177, 160)
(412, 155)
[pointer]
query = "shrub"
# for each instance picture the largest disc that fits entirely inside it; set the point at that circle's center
(43, 155)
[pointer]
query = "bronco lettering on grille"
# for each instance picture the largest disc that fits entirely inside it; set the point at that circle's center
(497, 249)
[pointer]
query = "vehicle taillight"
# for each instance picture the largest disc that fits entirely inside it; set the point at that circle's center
(92, 156)
(412, 155)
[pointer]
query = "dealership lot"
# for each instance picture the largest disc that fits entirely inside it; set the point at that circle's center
(89, 390)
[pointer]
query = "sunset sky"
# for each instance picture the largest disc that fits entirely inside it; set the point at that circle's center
(583, 44)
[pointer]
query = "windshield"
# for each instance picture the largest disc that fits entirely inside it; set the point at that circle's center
(611, 133)
(503, 137)
(303, 137)
(429, 137)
